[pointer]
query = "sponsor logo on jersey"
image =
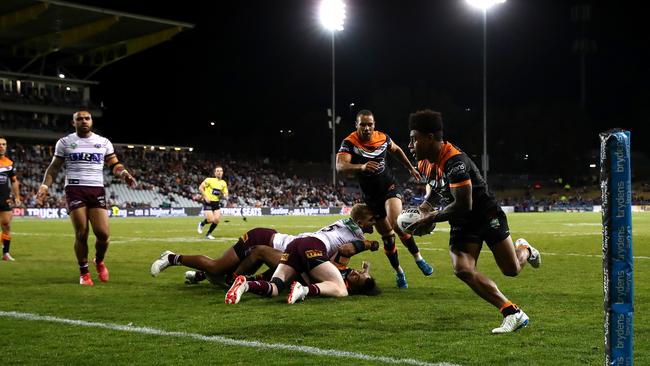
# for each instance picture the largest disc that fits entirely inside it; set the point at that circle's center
(97, 146)
(457, 168)
(284, 257)
(494, 223)
(313, 253)
(73, 145)
(95, 158)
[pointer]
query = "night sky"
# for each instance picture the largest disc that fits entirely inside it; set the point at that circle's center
(258, 67)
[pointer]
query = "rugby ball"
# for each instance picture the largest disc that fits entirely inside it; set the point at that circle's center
(409, 216)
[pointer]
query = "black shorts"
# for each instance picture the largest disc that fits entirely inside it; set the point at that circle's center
(376, 194)
(491, 228)
(253, 238)
(4, 204)
(84, 196)
(304, 254)
(212, 206)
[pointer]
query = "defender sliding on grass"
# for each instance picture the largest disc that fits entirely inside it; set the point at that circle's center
(472, 212)
(265, 246)
(310, 254)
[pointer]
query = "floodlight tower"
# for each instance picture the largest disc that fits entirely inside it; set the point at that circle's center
(332, 16)
(484, 5)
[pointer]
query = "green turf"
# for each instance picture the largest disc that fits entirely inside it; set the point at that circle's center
(438, 319)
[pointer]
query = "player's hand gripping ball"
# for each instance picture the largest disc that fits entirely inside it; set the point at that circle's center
(409, 217)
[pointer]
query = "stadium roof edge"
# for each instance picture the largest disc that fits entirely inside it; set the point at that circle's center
(76, 39)
(24, 76)
(119, 13)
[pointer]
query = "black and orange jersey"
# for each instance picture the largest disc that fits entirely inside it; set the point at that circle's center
(7, 176)
(364, 151)
(454, 168)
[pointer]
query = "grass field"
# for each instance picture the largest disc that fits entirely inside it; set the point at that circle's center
(137, 319)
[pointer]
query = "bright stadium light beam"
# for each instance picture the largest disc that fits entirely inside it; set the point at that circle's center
(332, 16)
(484, 5)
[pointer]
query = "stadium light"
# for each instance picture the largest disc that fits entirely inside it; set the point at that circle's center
(484, 5)
(61, 75)
(332, 16)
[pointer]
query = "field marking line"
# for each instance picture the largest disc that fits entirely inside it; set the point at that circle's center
(222, 340)
(548, 253)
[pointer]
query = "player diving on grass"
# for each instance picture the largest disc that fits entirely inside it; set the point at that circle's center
(265, 246)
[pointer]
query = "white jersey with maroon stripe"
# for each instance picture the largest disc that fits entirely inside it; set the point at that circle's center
(84, 158)
(335, 235)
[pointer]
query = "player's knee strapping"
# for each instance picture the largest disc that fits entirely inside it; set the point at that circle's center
(278, 283)
(409, 242)
(390, 249)
(5, 236)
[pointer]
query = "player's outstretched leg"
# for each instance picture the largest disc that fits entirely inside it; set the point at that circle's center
(161, 263)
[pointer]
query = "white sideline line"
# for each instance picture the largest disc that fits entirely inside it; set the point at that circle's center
(222, 340)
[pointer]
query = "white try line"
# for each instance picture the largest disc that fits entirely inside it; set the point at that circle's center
(549, 253)
(222, 340)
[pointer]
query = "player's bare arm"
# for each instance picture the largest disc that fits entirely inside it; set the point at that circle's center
(120, 171)
(399, 154)
(358, 246)
(15, 189)
(48, 179)
(344, 164)
(426, 206)
(461, 205)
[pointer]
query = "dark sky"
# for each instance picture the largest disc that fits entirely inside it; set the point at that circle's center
(255, 67)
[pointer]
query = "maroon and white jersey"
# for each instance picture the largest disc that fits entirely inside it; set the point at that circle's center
(335, 235)
(280, 241)
(84, 158)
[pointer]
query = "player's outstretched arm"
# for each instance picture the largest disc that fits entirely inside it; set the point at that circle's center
(399, 154)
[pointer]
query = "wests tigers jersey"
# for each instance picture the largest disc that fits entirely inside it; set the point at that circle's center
(7, 176)
(364, 151)
(453, 168)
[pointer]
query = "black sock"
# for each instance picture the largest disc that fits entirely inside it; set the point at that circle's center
(409, 242)
(205, 221)
(5, 247)
(83, 268)
(391, 250)
(509, 310)
(212, 227)
(174, 259)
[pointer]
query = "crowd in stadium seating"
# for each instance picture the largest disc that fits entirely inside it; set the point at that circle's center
(58, 95)
(257, 182)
